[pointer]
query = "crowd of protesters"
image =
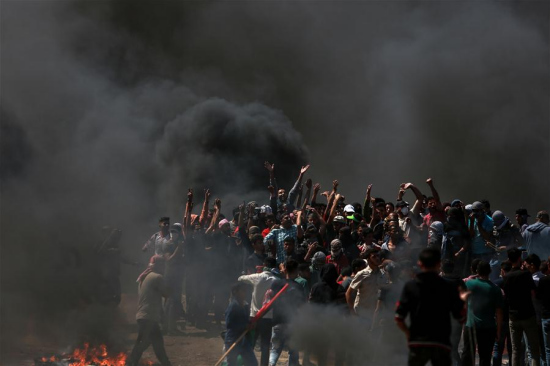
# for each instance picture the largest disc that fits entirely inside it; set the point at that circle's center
(444, 273)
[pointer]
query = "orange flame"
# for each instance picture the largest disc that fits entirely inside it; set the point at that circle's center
(87, 355)
(96, 356)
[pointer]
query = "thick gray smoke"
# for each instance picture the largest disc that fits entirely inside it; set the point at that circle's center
(111, 110)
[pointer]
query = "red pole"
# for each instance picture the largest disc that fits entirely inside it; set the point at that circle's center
(267, 306)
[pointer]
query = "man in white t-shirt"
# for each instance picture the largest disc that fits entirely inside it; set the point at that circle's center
(365, 283)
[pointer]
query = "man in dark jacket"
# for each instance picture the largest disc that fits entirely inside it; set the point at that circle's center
(537, 236)
(429, 300)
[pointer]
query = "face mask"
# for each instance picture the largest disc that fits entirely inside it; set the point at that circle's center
(405, 211)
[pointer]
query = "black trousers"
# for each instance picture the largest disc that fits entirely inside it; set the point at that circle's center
(419, 356)
(484, 339)
(263, 331)
(149, 333)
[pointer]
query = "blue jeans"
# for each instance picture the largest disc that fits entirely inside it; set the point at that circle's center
(279, 338)
(546, 337)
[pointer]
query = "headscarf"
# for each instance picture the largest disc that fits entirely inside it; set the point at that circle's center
(335, 248)
(318, 259)
(156, 263)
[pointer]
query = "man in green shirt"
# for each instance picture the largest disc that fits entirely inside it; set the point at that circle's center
(484, 317)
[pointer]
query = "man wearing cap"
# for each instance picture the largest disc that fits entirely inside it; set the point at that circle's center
(337, 256)
(349, 213)
(161, 239)
(333, 229)
(537, 236)
(521, 218)
(480, 227)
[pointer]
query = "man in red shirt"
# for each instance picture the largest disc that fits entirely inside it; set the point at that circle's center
(435, 208)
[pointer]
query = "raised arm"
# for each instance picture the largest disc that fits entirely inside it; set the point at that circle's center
(187, 214)
(331, 200)
(250, 217)
(213, 223)
(271, 169)
(316, 189)
(294, 191)
(435, 195)
(333, 209)
(419, 198)
(241, 215)
(204, 212)
(375, 218)
(367, 210)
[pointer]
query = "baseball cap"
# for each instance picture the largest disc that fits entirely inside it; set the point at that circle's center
(339, 219)
(401, 204)
(349, 209)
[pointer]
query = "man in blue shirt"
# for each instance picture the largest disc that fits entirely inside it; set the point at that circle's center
(481, 227)
(274, 241)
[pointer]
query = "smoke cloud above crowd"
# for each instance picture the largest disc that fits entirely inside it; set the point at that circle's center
(112, 110)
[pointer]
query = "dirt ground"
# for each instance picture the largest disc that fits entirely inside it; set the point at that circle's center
(193, 346)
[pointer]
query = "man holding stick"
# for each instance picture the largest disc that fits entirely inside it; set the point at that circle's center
(236, 321)
(259, 315)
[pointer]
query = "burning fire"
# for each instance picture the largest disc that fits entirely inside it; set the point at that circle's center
(87, 355)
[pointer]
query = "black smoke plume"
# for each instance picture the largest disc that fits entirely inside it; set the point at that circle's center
(111, 110)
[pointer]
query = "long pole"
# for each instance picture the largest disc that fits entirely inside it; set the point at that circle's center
(258, 316)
